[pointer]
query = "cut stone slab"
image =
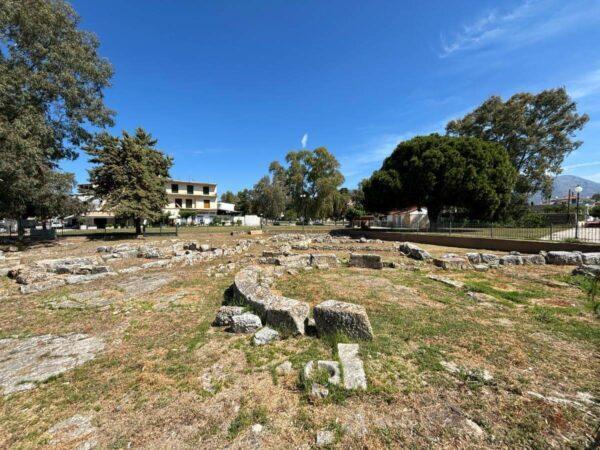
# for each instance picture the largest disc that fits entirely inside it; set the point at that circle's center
(245, 323)
(225, 315)
(76, 279)
(414, 251)
(365, 261)
(591, 258)
(64, 265)
(332, 368)
(265, 335)
(293, 261)
(72, 431)
(145, 284)
(324, 261)
(333, 317)
(352, 367)
(564, 258)
(42, 286)
(451, 263)
(25, 362)
(454, 283)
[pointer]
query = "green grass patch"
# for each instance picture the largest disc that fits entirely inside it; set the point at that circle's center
(512, 296)
(552, 319)
(246, 417)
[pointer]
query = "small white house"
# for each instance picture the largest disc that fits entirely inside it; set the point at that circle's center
(411, 217)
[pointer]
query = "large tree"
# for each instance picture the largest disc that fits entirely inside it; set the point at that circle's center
(129, 175)
(268, 198)
(312, 179)
(51, 82)
(441, 172)
(537, 130)
(229, 197)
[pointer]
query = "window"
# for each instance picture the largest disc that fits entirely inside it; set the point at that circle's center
(206, 204)
(188, 203)
(175, 188)
(205, 190)
(178, 203)
(190, 189)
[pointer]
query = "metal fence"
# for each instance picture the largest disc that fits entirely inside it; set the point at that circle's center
(580, 232)
(99, 233)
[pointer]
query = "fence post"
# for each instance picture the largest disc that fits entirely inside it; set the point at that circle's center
(176, 229)
(491, 230)
(551, 232)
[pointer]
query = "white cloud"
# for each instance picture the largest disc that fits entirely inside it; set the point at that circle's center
(370, 156)
(585, 86)
(531, 21)
(570, 167)
(304, 140)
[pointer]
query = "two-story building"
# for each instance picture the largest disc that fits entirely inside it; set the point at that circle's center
(193, 196)
(199, 200)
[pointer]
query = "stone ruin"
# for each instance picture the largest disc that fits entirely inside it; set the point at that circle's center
(269, 316)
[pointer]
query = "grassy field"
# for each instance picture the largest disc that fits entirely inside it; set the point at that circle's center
(167, 379)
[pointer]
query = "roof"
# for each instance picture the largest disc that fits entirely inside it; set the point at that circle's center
(408, 209)
(190, 182)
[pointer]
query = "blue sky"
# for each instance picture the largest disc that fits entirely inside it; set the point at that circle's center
(228, 86)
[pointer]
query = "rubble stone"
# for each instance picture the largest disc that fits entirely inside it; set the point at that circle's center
(414, 251)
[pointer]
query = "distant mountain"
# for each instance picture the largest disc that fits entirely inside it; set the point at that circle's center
(563, 183)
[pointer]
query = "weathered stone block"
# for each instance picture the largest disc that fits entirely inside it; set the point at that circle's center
(324, 261)
(591, 258)
(265, 335)
(42, 286)
(452, 263)
(414, 251)
(474, 258)
(352, 367)
(536, 260)
(245, 323)
(286, 314)
(454, 283)
(225, 315)
(366, 261)
(333, 316)
(564, 258)
(511, 260)
(293, 261)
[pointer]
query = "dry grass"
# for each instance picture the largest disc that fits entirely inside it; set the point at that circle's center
(169, 380)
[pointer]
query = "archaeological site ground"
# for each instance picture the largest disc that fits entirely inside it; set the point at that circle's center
(290, 340)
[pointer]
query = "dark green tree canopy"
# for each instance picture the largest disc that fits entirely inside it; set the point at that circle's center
(129, 174)
(51, 82)
(229, 197)
(537, 130)
(441, 172)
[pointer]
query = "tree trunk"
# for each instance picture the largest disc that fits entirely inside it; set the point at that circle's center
(138, 226)
(20, 228)
(433, 213)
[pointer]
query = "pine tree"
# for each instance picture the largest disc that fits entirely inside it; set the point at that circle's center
(129, 175)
